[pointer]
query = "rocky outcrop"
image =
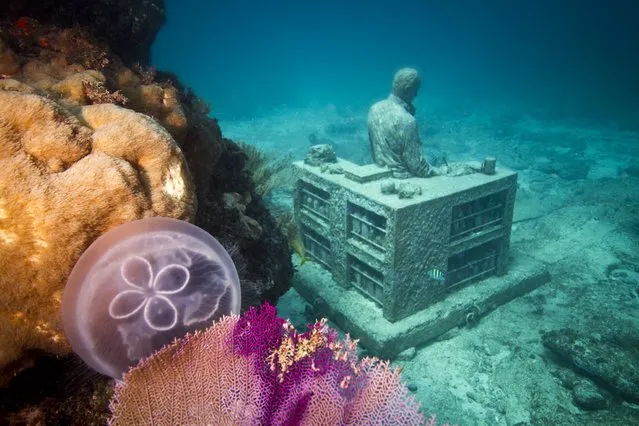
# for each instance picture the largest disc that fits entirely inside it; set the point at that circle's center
(610, 362)
(89, 143)
(65, 180)
(127, 26)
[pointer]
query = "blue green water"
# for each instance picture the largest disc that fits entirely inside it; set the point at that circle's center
(565, 58)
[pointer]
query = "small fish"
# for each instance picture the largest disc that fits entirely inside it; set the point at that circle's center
(437, 275)
(300, 250)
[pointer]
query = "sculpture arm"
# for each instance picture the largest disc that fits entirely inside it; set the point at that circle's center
(412, 155)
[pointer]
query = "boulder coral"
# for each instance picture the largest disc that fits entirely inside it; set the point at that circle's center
(113, 127)
(65, 179)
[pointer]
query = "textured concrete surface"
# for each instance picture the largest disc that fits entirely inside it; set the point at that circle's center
(386, 245)
(364, 319)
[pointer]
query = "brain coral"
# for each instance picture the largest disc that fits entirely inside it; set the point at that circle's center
(65, 179)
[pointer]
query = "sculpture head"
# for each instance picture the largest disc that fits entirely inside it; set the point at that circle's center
(406, 84)
(142, 285)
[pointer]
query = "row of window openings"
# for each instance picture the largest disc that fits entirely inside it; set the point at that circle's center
(469, 266)
(468, 218)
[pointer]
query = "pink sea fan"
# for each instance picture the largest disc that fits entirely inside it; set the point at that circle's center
(258, 370)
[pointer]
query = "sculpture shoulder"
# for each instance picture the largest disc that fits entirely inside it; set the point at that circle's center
(376, 109)
(390, 113)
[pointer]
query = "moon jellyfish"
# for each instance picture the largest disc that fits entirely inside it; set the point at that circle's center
(142, 285)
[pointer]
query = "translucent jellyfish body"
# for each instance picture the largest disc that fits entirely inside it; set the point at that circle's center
(143, 284)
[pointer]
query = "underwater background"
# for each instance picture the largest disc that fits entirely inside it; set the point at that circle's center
(549, 88)
(567, 59)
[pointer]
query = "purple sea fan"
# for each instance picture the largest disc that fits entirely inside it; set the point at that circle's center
(258, 370)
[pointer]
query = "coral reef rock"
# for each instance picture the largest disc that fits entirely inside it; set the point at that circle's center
(128, 26)
(88, 143)
(320, 154)
(64, 180)
(9, 61)
(610, 361)
(231, 211)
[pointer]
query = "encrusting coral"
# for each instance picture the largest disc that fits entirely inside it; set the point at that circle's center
(257, 369)
(66, 179)
(128, 26)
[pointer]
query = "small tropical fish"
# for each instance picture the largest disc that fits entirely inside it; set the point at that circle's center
(436, 275)
(300, 250)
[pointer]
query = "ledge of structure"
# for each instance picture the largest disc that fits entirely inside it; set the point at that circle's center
(363, 319)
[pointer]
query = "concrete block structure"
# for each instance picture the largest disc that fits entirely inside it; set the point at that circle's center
(405, 254)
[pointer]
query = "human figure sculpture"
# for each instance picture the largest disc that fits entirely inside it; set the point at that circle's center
(392, 129)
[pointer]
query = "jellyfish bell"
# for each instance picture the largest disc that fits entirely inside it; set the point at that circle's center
(142, 285)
